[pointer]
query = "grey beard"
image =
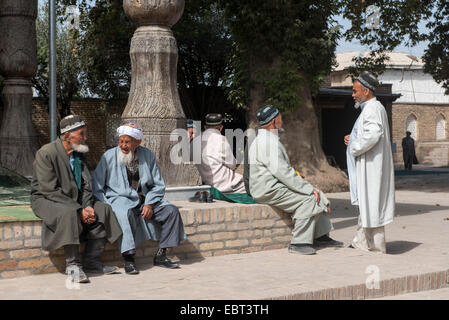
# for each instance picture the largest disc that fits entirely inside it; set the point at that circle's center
(126, 159)
(81, 148)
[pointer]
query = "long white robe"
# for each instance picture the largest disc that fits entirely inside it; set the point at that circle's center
(218, 163)
(371, 148)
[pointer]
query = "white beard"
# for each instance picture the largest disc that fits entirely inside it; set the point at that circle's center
(81, 148)
(126, 159)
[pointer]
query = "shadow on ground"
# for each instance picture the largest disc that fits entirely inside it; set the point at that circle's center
(425, 183)
(400, 247)
(342, 208)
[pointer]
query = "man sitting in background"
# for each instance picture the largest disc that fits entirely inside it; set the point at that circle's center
(218, 164)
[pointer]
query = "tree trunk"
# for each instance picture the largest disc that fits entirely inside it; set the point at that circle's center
(301, 136)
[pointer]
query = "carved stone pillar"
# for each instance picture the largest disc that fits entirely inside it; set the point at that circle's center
(154, 102)
(18, 64)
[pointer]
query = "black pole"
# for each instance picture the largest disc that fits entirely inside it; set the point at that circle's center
(52, 40)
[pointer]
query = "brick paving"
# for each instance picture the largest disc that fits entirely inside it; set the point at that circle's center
(417, 260)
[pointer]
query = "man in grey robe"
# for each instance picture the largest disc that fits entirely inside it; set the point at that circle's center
(273, 181)
(61, 196)
(128, 178)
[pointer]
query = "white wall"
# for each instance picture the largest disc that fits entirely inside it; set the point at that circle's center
(415, 86)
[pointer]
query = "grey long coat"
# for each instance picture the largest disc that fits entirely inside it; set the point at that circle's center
(273, 181)
(54, 199)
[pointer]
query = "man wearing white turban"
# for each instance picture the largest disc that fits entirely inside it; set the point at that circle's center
(128, 178)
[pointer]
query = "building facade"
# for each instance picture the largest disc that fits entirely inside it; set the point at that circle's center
(422, 108)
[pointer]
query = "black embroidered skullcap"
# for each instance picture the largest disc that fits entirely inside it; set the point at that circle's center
(214, 119)
(266, 114)
(70, 123)
(190, 123)
(368, 81)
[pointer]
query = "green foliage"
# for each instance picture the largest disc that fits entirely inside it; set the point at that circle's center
(68, 62)
(302, 35)
(205, 49)
(436, 57)
(275, 82)
(105, 35)
(398, 22)
(374, 62)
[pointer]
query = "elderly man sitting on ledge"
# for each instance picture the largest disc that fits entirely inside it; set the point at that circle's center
(61, 196)
(218, 164)
(128, 178)
(273, 181)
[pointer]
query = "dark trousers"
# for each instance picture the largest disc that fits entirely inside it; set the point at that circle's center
(171, 225)
(408, 161)
(92, 231)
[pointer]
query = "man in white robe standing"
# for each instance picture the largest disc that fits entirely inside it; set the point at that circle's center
(370, 167)
(273, 181)
(129, 180)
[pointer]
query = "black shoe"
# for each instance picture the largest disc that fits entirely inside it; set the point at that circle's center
(98, 267)
(203, 196)
(305, 249)
(326, 241)
(196, 197)
(130, 268)
(209, 198)
(163, 261)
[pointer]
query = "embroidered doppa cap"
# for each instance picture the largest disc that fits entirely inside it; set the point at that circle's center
(214, 119)
(131, 130)
(368, 81)
(190, 123)
(266, 114)
(70, 123)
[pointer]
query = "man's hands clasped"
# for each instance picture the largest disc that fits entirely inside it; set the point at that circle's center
(88, 215)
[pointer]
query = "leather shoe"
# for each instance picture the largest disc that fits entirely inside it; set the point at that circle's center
(163, 261)
(209, 198)
(203, 196)
(98, 267)
(326, 241)
(301, 249)
(130, 268)
(196, 197)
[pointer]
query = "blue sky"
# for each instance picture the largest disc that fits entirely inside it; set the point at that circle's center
(345, 46)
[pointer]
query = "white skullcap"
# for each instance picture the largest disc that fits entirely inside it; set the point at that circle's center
(130, 130)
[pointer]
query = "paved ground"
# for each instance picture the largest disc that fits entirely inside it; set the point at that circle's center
(417, 243)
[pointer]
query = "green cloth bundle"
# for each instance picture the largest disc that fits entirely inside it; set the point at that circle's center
(231, 197)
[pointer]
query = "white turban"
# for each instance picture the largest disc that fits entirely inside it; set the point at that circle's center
(127, 130)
